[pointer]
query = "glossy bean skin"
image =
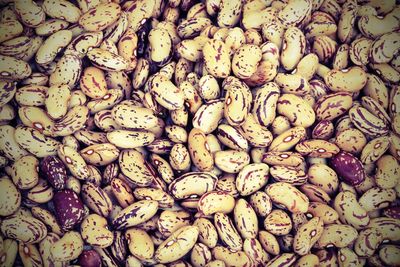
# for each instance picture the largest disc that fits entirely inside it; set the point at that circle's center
(199, 133)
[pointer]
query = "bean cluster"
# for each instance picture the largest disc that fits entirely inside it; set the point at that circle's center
(199, 133)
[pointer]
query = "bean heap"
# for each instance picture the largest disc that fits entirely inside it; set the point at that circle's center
(200, 133)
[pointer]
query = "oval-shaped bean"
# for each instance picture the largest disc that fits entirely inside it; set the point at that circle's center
(62, 9)
(278, 223)
(296, 109)
(231, 161)
(177, 245)
(331, 106)
(135, 214)
(26, 229)
(11, 197)
(279, 193)
(348, 167)
(133, 117)
(231, 257)
(96, 199)
(350, 80)
(109, 12)
(200, 150)
(265, 101)
(94, 231)
(330, 236)
(323, 211)
(135, 168)
(245, 219)
(139, 243)
(252, 178)
(245, 61)
(35, 142)
(216, 201)
(68, 208)
(192, 184)
(166, 93)
(49, 49)
(13, 68)
(293, 47)
(350, 211)
(68, 247)
(291, 175)
(387, 172)
(227, 231)
(208, 116)
(323, 176)
(307, 235)
(216, 58)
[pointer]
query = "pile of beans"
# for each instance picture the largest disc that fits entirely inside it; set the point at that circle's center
(199, 133)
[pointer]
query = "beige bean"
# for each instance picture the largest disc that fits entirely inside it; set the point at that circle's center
(389, 255)
(94, 231)
(245, 219)
(377, 198)
(108, 12)
(291, 175)
(265, 101)
(35, 142)
(293, 47)
(231, 257)
(279, 193)
(11, 197)
(278, 223)
(135, 168)
(330, 237)
(199, 150)
(68, 247)
(237, 104)
(245, 61)
(135, 214)
(192, 184)
(216, 201)
(200, 255)
(13, 69)
(307, 235)
(216, 57)
(252, 178)
(370, 236)
(348, 257)
(256, 134)
(227, 231)
(350, 211)
(231, 161)
(61, 9)
(388, 171)
(26, 229)
(164, 199)
(207, 233)
(323, 176)
(139, 243)
(292, 106)
(323, 211)
(177, 245)
(166, 93)
(96, 199)
(56, 101)
(74, 162)
(208, 116)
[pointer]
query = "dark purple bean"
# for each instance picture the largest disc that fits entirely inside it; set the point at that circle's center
(90, 258)
(53, 170)
(392, 212)
(348, 167)
(68, 208)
